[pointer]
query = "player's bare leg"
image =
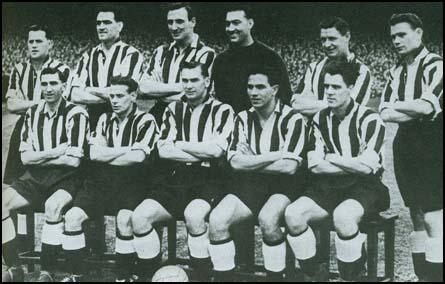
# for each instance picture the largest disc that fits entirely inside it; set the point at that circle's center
(11, 200)
(125, 252)
(434, 245)
(301, 237)
(349, 242)
(198, 238)
(73, 243)
(146, 240)
(274, 242)
(230, 210)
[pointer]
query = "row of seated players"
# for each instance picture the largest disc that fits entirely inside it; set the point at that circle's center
(266, 147)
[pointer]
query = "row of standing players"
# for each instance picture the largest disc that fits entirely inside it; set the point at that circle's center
(268, 150)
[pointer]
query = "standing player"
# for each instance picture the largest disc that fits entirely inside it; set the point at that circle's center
(195, 135)
(117, 183)
(231, 68)
(346, 160)
(51, 147)
(111, 57)
(413, 99)
(161, 80)
(335, 36)
(265, 153)
(24, 91)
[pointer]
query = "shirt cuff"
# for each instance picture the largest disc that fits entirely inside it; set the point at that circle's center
(434, 101)
(25, 147)
(74, 152)
(230, 155)
(140, 146)
(314, 158)
(370, 159)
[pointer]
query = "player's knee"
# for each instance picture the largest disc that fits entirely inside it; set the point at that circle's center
(268, 220)
(346, 219)
(219, 220)
(196, 212)
(53, 209)
(143, 214)
(295, 218)
(74, 219)
(123, 220)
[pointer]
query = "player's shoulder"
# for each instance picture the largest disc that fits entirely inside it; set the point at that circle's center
(130, 48)
(221, 106)
(364, 112)
(432, 58)
(73, 109)
(144, 116)
(290, 112)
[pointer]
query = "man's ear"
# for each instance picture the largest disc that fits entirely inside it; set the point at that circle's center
(207, 82)
(251, 23)
(275, 89)
(419, 31)
(120, 25)
(50, 44)
(193, 21)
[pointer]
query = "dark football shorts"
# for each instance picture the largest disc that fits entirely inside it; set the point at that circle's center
(254, 189)
(418, 163)
(187, 183)
(108, 189)
(329, 191)
(37, 184)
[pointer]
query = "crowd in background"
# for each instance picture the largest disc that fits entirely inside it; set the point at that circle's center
(297, 53)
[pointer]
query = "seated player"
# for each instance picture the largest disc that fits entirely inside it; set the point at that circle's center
(195, 135)
(265, 153)
(118, 181)
(345, 157)
(51, 147)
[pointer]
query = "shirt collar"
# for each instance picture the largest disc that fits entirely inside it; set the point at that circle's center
(46, 111)
(132, 112)
(349, 109)
(194, 44)
(100, 47)
(208, 99)
(418, 53)
(46, 62)
(278, 107)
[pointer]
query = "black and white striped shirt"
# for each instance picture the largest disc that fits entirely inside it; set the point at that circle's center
(422, 79)
(284, 131)
(209, 121)
(313, 81)
(138, 131)
(97, 66)
(43, 130)
(25, 80)
(360, 134)
(167, 60)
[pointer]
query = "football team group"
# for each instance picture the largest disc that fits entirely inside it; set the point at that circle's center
(226, 140)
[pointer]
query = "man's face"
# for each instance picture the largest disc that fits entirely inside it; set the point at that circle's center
(38, 44)
(259, 90)
(238, 27)
(334, 44)
(404, 38)
(107, 27)
(179, 25)
(194, 84)
(52, 87)
(121, 100)
(336, 90)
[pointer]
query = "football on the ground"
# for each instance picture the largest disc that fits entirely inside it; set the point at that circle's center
(170, 273)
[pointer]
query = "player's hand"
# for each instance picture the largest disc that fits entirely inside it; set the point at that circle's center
(332, 158)
(180, 144)
(60, 150)
(244, 148)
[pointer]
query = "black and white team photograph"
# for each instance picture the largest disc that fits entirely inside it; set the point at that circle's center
(222, 142)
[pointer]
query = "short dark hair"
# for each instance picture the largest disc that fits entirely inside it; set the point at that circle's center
(113, 8)
(246, 8)
(180, 5)
(193, 65)
(44, 28)
(348, 70)
(127, 81)
(271, 73)
(336, 22)
(412, 19)
(63, 76)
